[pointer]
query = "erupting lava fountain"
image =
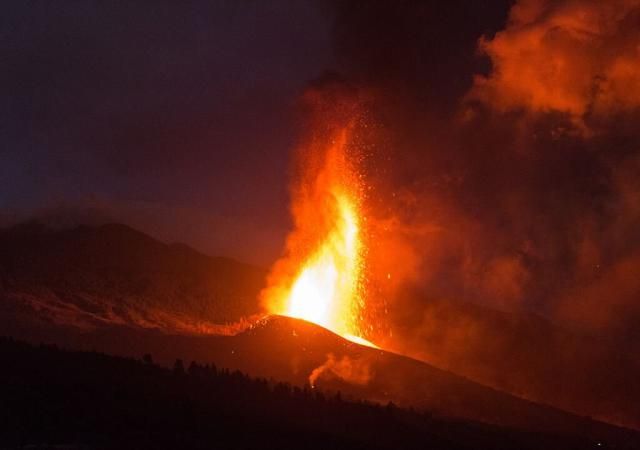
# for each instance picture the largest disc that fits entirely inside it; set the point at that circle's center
(321, 278)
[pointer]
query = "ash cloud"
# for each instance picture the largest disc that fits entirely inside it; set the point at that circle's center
(579, 58)
(503, 168)
(499, 203)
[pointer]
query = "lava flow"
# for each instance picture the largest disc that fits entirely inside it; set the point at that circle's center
(321, 278)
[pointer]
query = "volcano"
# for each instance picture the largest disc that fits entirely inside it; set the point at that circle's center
(118, 291)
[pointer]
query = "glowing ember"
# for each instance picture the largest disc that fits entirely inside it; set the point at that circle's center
(321, 279)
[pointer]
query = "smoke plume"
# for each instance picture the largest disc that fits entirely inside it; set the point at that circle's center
(353, 371)
(502, 168)
(579, 58)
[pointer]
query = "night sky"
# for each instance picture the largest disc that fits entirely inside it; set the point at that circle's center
(175, 117)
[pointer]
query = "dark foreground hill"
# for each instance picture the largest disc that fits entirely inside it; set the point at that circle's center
(89, 400)
(300, 353)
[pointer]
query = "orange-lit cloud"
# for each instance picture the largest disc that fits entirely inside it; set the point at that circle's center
(578, 57)
(523, 216)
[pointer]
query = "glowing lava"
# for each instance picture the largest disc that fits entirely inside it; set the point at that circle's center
(327, 285)
(321, 278)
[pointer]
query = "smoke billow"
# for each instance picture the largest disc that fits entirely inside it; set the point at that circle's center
(580, 58)
(503, 170)
(353, 371)
(484, 188)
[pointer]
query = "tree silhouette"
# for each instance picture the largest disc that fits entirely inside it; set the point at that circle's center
(178, 367)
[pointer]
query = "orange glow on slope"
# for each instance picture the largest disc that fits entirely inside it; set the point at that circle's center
(321, 278)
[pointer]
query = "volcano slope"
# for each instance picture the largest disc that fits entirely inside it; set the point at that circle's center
(291, 350)
(114, 289)
(523, 354)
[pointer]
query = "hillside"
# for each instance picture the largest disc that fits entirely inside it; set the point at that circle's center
(113, 275)
(290, 350)
(523, 354)
(90, 400)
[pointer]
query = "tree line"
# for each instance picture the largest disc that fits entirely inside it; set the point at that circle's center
(53, 397)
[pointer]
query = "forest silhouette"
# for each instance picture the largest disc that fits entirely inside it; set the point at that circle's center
(53, 398)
